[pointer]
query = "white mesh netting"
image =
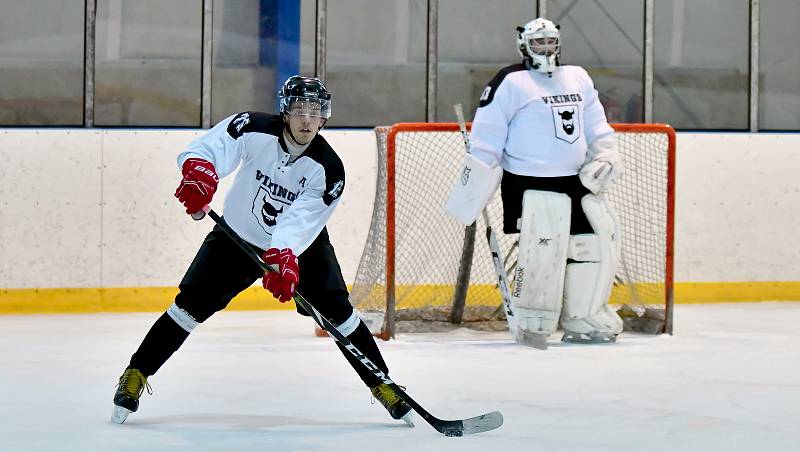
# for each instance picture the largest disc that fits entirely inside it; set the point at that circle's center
(428, 244)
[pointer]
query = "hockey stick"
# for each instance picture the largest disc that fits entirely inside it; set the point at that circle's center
(494, 246)
(477, 424)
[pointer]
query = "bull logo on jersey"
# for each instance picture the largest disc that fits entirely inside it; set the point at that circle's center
(270, 194)
(566, 121)
(269, 213)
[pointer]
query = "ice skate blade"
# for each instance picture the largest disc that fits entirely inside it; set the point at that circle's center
(119, 414)
(409, 418)
(589, 338)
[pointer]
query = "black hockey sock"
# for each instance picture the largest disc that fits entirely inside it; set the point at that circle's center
(163, 339)
(362, 339)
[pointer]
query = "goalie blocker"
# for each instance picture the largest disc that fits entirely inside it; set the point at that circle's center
(476, 185)
(555, 267)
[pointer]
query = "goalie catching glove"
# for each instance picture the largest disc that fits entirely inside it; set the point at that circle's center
(282, 283)
(603, 165)
(198, 184)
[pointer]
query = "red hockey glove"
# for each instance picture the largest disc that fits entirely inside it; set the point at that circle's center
(198, 184)
(283, 283)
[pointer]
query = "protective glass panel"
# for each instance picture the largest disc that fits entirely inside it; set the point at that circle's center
(257, 45)
(474, 43)
(376, 61)
(607, 39)
(148, 63)
(779, 65)
(702, 61)
(41, 63)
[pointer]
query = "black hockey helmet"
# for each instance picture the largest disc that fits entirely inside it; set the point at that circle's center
(309, 92)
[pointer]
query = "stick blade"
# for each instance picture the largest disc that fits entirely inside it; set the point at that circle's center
(477, 424)
(483, 423)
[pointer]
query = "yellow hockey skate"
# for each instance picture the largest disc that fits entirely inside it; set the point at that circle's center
(129, 389)
(394, 404)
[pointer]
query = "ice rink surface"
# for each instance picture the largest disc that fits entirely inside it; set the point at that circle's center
(729, 380)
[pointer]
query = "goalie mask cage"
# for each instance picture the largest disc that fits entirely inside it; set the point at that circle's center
(415, 255)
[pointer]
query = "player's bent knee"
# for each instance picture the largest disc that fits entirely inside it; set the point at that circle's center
(182, 318)
(334, 307)
(348, 326)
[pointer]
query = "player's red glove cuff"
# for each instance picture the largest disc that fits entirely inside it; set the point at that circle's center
(282, 283)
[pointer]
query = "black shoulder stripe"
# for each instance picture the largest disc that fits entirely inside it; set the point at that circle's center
(255, 121)
(321, 152)
(488, 93)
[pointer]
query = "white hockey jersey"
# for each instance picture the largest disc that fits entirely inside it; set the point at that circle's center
(535, 125)
(273, 202)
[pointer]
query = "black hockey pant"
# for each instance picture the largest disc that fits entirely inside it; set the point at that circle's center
(221, 270)
(512, 189)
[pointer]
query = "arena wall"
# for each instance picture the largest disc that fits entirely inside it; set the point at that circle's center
(88, 222)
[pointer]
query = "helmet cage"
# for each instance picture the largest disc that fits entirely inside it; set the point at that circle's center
(305, 106)
(546, 44)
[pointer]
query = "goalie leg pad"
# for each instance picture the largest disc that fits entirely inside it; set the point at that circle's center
(476, 184)
(590, 276)
(539, 277)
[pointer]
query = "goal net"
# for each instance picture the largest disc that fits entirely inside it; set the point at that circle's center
(416, 257)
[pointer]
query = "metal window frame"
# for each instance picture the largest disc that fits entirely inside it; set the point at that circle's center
(321, 42)
(89, 58)
(755, 19)
(89, 38)
(432, 61)
(206, 63)
(649, 35)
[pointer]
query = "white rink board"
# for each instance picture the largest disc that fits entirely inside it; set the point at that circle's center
(50, 213)
(148, 240)
(737, 207)
(737, 199)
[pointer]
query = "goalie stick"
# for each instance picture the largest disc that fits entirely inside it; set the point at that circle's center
(494, 246)
(460, 427)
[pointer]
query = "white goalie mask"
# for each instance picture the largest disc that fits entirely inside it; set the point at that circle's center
(539, 41)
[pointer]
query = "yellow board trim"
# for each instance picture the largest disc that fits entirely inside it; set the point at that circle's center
(730, 292)
(155, 299)
(118, 299)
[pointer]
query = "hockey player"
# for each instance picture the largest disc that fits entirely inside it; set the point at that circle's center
(541, 129)
(288, 184)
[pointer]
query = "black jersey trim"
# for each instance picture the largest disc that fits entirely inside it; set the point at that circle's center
(321, 152)
(488, 93)
(255, 121)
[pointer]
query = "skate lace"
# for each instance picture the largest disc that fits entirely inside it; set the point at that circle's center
(131, 384)
(386, 395)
